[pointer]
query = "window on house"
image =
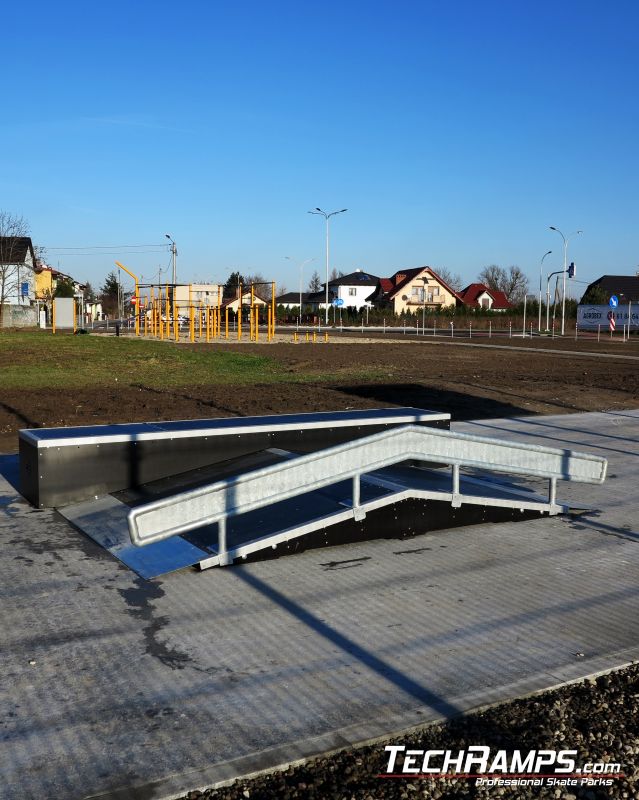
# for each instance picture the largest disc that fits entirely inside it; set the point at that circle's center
(352, 291)
(436, 291)
(415, 291)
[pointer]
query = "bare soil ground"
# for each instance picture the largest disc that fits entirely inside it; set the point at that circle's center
(469, 382)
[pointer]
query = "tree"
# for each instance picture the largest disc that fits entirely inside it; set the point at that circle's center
(110, 293)
(12, 228)
(89, 293)
(315, 283)
(262, 287)
(232, 283)
(512, 282)
(336, 274)
(453, 280)
(595, 296)
(64, 288)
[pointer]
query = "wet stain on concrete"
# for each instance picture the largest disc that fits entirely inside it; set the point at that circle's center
(140, 601)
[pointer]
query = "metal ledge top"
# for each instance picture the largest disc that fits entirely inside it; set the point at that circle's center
(223, 426)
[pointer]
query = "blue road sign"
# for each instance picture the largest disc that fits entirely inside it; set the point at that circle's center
(614, 301)
(338, 302)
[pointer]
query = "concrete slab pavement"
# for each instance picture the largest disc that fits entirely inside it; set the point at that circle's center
(118, 687)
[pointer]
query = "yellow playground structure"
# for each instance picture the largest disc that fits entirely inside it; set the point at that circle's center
(176, 311)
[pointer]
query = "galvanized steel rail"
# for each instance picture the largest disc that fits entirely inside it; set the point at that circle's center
(217, 502)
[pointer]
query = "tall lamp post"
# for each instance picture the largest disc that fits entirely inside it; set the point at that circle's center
(327, 216)
(173, 254)
(424, 305)
(541, 263)
(563, 293)
(307, 261)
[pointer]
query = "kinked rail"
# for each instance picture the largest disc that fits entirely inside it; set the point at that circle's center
(217, 502)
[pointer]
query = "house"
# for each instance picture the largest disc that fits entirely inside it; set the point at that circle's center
(624, 287)
(352, 289)
(415, 289)
(233, 303)
(46, 282)
(478, 295)
(17, 279)
(197, 294)
(292, 299)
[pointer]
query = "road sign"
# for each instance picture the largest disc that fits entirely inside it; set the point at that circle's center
(611, 321)
(338, 302)
(614, 301)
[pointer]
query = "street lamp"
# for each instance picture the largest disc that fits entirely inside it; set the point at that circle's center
(563, 298)
(540, 279)
(425, 279)
(307, 261)
(174, 254)
(327, 216)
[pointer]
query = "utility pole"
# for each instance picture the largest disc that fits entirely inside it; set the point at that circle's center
(174, 255)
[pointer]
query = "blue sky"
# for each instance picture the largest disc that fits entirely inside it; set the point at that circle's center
(454, 132)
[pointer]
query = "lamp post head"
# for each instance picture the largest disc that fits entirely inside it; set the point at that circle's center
(552, 228)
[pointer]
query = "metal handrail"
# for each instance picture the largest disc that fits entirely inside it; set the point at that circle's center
(192, 509)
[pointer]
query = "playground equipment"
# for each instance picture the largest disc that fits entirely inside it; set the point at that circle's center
(166, 311)
(161, 496)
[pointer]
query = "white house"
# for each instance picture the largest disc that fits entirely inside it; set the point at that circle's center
(353, 290)
(17, 277)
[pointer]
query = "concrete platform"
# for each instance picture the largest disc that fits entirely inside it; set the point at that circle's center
(118, 687)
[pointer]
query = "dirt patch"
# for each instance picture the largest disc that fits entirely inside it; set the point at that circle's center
(468, 382)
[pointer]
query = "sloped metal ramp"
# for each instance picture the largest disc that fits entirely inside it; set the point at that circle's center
(351, 483)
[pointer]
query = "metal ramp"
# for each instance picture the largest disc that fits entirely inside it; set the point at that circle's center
(366, 475)
(258, 499)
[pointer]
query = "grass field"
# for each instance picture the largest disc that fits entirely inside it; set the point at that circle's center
(39, 360)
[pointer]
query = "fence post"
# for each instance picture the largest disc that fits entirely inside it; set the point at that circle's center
(510, 329)
(452, 330)
(470, 330)
(490, 329)
(576, 330)
(598, 332)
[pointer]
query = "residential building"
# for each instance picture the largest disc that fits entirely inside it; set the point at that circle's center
(17, 279)
(292, 299)
(197, 294)
(624, 287)
(478, 295)
(412, 290)
(233, 304)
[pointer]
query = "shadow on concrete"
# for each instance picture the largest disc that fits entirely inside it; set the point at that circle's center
(369, 659)
(459, 405)
(10, 470)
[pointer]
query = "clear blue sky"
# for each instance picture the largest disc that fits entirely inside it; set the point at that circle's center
(454, 132)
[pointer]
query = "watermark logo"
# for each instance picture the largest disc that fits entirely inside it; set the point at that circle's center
(499, 768)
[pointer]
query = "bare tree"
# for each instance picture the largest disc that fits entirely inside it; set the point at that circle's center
(452, 279)
(516, 285)
(263, 288)
(512, 282)
(12, 229)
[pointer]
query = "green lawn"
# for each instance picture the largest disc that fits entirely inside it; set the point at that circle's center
(39, 360)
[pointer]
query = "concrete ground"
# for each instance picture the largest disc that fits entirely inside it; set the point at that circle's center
(117, 687)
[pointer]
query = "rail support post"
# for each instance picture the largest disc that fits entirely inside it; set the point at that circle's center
(455, 501)
(358, 512)
(222, 552)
